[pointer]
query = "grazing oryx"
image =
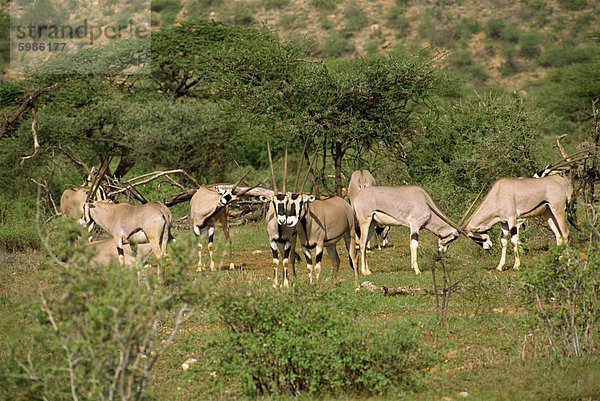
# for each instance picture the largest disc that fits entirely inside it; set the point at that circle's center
(208, 206)
(510, 199)
(129, 223)
(359, 180)
(408, 206)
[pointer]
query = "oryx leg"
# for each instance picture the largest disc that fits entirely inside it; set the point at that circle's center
(210, 234)
(275, 251)
(335, 261)
(198, 232)
(309, 264)
(414, 247)
(558, 225)
(318, 258)
(504, 243)
(514, 240)
(225, 225)
(366, 230)
(351, 248)
(286, 254)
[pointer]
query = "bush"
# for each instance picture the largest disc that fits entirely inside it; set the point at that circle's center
(336, 45)
(494, 28)
(561, 56)
(564, 294)
(572, 5)
(98, 330)
(396, 20)
(529, 43)
(307, 341)
(355, 18)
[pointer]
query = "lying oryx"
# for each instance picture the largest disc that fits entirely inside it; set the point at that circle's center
(129, 223)
(359, 180)
(510, 199)
(408, 206)
(105, 253)
(207, 206)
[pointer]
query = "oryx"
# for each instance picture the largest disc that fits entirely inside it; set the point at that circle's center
(207, 206)
(105, 252)
(129, 223)
(408, 206)
(73, 200)
(282, 239)
(359, 180)
(321, 224)
(510, 199)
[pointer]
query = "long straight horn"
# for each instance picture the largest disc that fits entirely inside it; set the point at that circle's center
(240, 180)
(300, 166)
(285, 168)
(271, 165)
(310, 165)
(252, 187)
(98, 179)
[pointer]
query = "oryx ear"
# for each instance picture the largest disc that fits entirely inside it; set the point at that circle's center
(310, 198)
(264, 198)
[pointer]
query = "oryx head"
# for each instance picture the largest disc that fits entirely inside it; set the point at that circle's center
(227, 196)
(279, 199)
(297, 207)
(480, 238)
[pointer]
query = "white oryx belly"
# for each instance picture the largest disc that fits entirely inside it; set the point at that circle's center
(387, 220)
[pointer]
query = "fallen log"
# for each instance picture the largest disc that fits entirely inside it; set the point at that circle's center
(389, 291)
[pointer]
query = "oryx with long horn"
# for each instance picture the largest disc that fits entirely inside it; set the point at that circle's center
(73, 200)
(510, 199)
(321, 224)
(208, 206)
(361, 179)
(133, 224)
(408, 206)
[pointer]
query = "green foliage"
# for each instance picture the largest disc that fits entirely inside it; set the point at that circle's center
(494, 27)
(529, 43)
(564, 294)
(337, 45)
(572, 5)
(325, 5)
(474, 144)
(100, 328)
(308, 342)
(396, 20)
(555, 56)
(17, 234)
(167, 9)
(355, 18)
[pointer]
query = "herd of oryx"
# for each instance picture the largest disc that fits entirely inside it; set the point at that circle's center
(320, 224)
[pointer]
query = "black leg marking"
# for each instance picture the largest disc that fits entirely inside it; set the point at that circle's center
(414, 236)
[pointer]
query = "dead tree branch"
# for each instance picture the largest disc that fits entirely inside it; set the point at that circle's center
(6, 121)
(36, 143)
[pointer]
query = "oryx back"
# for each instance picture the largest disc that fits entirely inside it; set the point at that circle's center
(359, 180)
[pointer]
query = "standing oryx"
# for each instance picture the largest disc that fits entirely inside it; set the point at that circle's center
(129, 223)
(510, 199)
(208, 206)
(282, 239)
(321, 224)
(408, 206)
(359, 180)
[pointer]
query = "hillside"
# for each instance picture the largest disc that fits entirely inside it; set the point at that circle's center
(490, 42)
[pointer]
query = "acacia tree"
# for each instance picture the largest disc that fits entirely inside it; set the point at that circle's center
(361, 103)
